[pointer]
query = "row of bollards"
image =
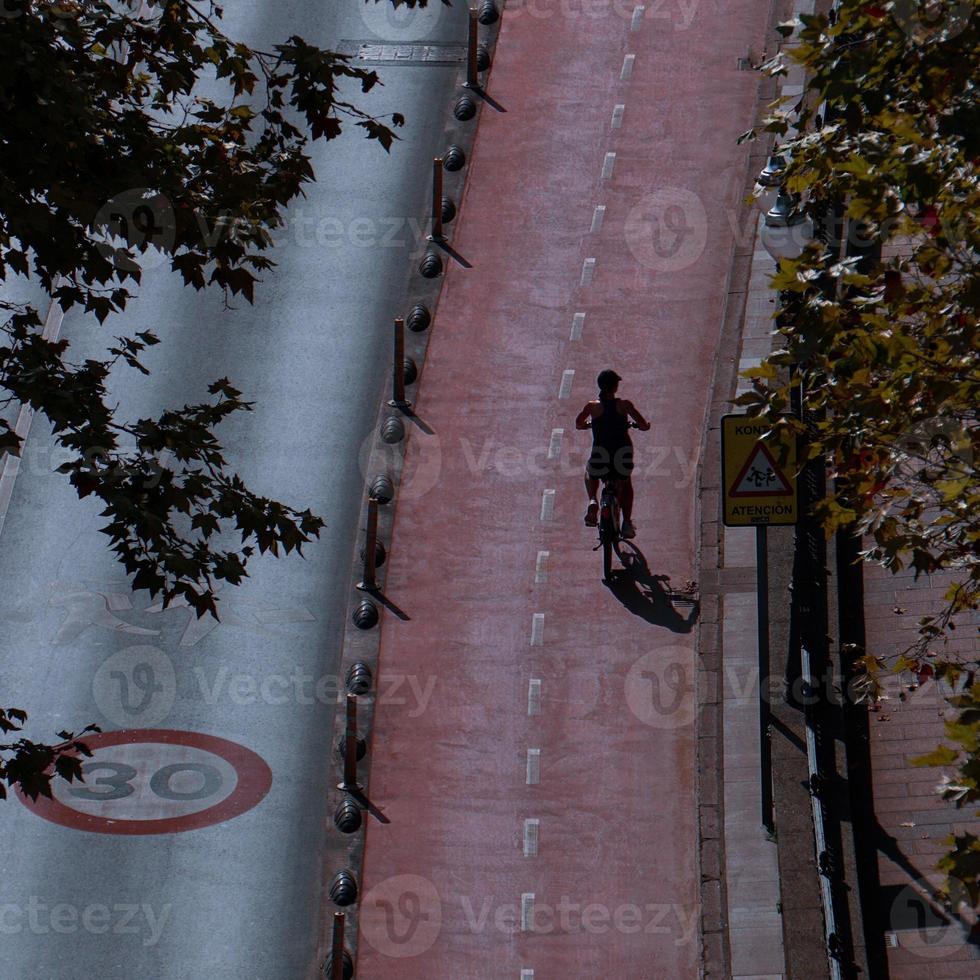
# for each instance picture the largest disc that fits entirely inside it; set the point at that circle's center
(351, 747)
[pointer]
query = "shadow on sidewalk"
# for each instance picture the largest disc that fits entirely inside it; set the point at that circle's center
(649, 596)
(915, 906)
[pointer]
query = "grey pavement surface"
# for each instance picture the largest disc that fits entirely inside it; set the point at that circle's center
(240, 898)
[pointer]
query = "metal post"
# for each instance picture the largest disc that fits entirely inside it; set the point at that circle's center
(369, 583)
(349, 784)
(472, 72)
(398, 368)
(765, 746)
(437, 235)
(337, 948)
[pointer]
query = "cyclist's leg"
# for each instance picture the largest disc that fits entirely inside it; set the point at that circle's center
(626, 498)
(623, 463)
(592, 489)
(595, 469)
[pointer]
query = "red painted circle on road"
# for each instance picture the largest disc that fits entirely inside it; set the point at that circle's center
(252, 781)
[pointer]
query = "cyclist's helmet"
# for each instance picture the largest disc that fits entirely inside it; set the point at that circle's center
(607, 380)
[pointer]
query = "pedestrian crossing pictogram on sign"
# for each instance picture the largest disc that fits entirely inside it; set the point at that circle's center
(760, 477)
(758, 473)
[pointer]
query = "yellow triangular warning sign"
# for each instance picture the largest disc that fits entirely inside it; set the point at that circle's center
(760, 477)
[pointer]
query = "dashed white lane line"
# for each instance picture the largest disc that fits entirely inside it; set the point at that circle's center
(533, 767)
(527, 911)
(609, 161)
(537, 629)
(578, 324)
(565, 388)
(547, 505)
(527, 974)
(617, 116)
(627, 71)
(534, 696)
(541, 567)
(531, 831)
(554, 445)
(597, 217)
(588, 271)
(638, 13)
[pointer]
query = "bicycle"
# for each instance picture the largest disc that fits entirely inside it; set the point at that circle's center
(610, 523)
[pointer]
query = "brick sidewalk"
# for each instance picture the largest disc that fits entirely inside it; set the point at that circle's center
(913, 821)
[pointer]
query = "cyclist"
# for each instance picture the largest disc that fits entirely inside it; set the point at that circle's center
(612, 449)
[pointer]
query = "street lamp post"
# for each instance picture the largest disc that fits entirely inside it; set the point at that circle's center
(785, 234)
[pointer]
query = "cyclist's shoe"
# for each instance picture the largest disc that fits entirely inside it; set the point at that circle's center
(628, 531)
(592, 515)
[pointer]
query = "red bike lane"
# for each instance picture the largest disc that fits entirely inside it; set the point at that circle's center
(537, 761)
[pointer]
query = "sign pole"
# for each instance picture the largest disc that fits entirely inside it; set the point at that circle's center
(337, 948)
(349, 785)
(398, 399)
(472, 72)
(437, 235)
(759, 491)
(765, 745)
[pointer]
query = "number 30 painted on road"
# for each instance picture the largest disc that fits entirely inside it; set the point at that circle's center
(157, 781)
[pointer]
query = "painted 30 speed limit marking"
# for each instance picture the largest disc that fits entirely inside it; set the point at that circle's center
(157, 781)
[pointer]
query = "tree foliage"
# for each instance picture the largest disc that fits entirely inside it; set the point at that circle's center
(129, 135)
(133, 132)
(888, 137)
(31, 766)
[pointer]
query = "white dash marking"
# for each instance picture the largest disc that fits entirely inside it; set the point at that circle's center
(617, 119)
(534, 696)
(541, 567)
(554, 446)
(565, 388)
(588, 271)
(578, 323)
(627, 73)
(531, 829)
(597, 216)
(527, 911)
(537, 629)
(638, 13)
(607, 166)
(533, 767)
(548, 505)
(527, 974)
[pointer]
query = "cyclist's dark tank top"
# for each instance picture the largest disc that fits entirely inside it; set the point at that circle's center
(611, 429)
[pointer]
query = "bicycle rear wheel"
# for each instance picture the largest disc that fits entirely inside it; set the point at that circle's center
(607, 552)
(607, 535)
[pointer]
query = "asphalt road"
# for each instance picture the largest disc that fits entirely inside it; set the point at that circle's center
(240, 897)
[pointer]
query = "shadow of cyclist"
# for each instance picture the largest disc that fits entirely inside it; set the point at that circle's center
(649, 596)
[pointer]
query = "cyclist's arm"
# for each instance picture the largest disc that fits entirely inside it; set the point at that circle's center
(583, 417)
(633, 413)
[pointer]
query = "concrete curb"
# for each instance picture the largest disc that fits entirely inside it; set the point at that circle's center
(346, 851)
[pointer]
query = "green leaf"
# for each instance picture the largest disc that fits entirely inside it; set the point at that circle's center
(941, 756)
